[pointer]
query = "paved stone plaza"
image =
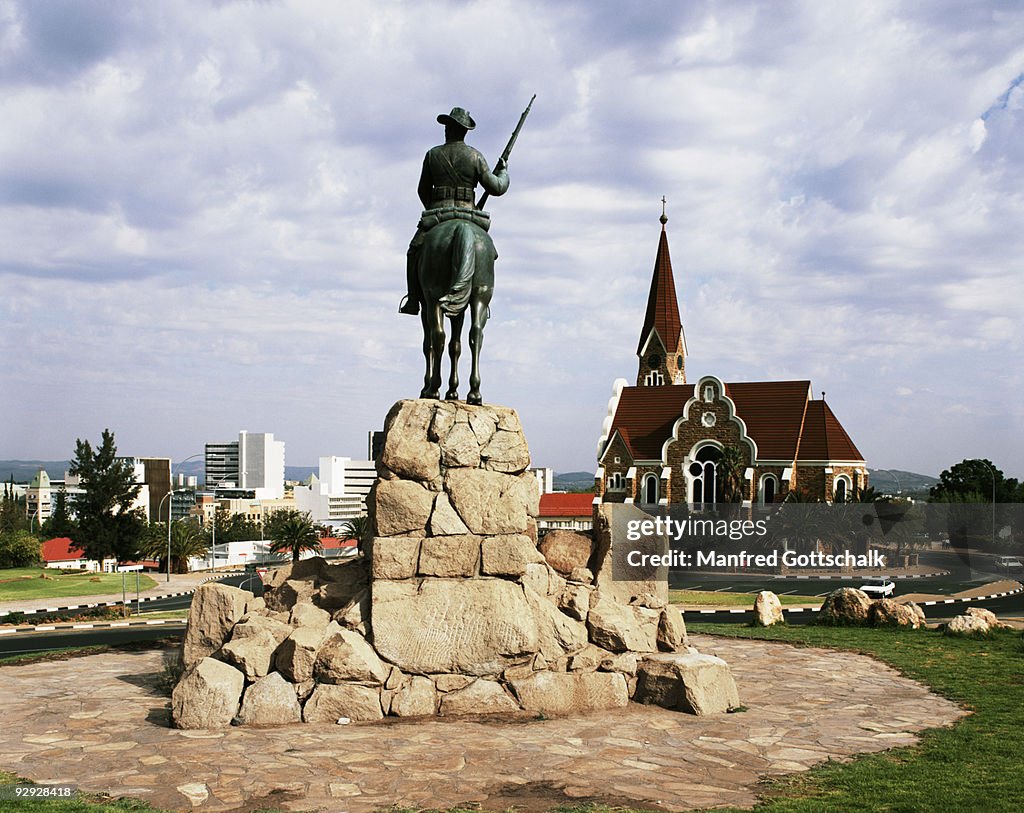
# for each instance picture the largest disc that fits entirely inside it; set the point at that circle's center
(97, 722)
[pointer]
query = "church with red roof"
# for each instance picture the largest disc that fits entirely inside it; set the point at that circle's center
(666, 441)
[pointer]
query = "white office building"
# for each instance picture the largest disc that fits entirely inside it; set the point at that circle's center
(255, 462)
(339, 492)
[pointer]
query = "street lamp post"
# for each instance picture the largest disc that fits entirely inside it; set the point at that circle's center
(169, 520)
(170, 509)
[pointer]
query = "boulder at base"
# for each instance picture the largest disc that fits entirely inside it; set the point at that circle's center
(967, 625)
(207, 695)
(700, 684)
(847, 606)
(767, 609)
(215, 609)
(887, 612)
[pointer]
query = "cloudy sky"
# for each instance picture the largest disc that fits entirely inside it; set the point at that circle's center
(205, 207)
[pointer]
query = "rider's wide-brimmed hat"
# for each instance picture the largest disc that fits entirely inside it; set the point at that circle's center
(457, 116)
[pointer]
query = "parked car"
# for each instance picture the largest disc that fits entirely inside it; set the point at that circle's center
(1009, 564)
(878, 587)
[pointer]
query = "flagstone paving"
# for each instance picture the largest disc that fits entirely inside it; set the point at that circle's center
(96, 721)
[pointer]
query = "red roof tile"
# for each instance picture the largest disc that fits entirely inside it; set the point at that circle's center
(662, 305)
(566, 505)
(824, 437)
(334, 543)
(645, 416)
(60, 549)
(773, 412)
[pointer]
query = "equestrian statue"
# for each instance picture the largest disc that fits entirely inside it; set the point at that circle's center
(450, 264)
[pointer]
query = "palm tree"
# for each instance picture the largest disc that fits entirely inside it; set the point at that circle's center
(293, 532)
(357, 528)
(187, 542)
(731, 466)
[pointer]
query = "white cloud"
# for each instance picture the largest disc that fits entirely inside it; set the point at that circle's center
(205, 209)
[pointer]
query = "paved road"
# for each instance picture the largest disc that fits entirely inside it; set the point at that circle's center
(1006, 607)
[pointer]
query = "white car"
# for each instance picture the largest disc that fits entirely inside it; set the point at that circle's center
(879, 587)
(1009, 564)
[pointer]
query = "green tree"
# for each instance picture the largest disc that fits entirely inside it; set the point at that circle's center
(108, 525)
(972, 481)
(60, 523)
(12, 509)
(357, 528)
(234, 527)
(293, 532)
(187, 542)
(19, 548)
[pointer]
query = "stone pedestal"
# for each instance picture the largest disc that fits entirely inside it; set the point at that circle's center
(453, 609)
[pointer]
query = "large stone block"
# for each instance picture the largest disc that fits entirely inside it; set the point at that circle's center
(558, 635)
(489, 502)
(479, 697)
(207, 695)
(215, 609)
(271, 700)
(566, 550)
(395, 557)
(445, 521)
(408, 451)
(297, 653)
(508, 555)
(399, 506)
(671, 629)
(506, 451)
(611, 547)
(470, 626)
(450, 556)
(286, 595)
(620, 628)
(346, 657)
(251, 624)
(330, 702)
(460, 447)
(699, 684)
(571, 692)
(417, 698)
(253, 654)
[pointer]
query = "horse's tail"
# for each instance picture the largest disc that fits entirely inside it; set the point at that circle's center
(463, 252)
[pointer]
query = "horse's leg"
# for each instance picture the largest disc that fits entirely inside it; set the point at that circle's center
(433, 348)
(454, 351)
(478, 321)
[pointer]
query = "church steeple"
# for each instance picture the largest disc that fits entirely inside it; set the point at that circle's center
(662, 347)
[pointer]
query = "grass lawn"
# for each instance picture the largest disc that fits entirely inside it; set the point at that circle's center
(22, 583)
(711, 598)
(977, 765)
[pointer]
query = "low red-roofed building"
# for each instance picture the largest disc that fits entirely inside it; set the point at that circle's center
(335, 548)
(573, 512)
(664, 439)
(62, 553)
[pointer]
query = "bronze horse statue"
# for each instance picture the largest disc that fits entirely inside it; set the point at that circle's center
(450, 263)
(456, 273)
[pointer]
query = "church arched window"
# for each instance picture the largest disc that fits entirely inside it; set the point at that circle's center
(650, 489)
(769, 488)
(616, 482)
(704, 477)
(841, 489)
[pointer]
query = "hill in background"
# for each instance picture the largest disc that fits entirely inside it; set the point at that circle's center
(889, 481)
